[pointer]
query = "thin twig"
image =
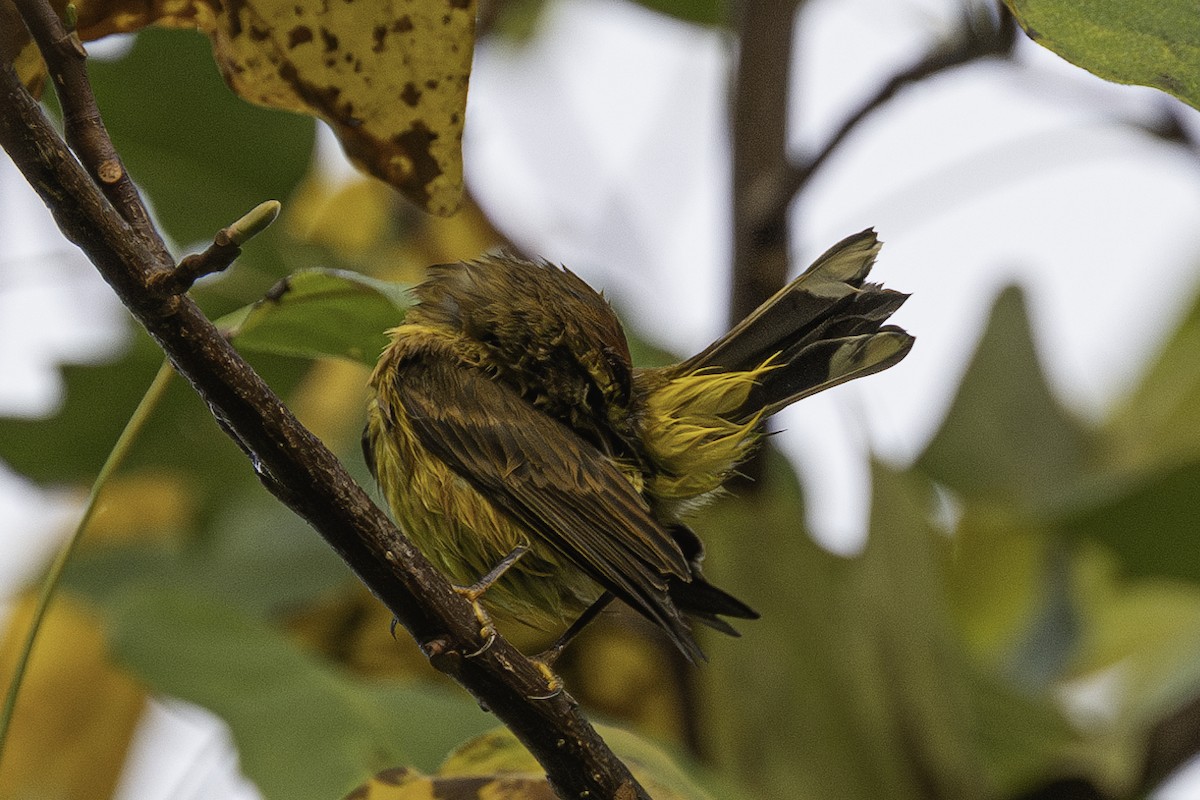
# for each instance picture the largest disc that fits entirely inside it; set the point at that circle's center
(116, 457)
(85, 132)
(983, 34)
(297, 468)
(218, 256)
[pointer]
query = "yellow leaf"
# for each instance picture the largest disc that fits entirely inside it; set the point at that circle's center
(328, 400)
(626, 676)
(389, 78)
(348, 219)
(495, 766)
(359, 222)
(140, 506)
(76, 711)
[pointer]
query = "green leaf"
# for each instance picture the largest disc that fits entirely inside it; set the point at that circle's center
(1150, 523)
(872, 692)
(303, 730)
(1158, 425)
(1148, 630)
(181, 438)
(759, 550)
(203, 156)
(859, 645)
(1006, 440)
(910, 662)
(1148, 43)
(1009, 590)
(255, 554)
(320, 313)
(1147, 515)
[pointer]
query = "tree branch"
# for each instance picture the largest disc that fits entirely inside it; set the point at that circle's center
(759, 141)
(758, 134)
(66, 60)
(984, 33)
(981, 35)
(292, 463)
(220, 255)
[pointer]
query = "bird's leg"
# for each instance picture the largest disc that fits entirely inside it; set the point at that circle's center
(476, 590)
(545, 660)
(551, 653)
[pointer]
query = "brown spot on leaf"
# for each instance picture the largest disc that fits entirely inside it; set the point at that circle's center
(463, 4)
(322, 98)
(330, 40)
(465, 786)
(403, 24)
(379, 36)
(258, 34)
(234, 12)
(394, 776)
(411, 94)
(415, 143)
(454, 118)
(301, 34)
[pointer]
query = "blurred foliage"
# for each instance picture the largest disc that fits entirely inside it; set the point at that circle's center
(303, 728)
(1029, 563)
(76, 712)
(1147, 43)
(148, 126)
(1006, 441)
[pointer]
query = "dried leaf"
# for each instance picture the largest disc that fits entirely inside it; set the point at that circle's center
(76, 711)
(391, 80)
(496, 766)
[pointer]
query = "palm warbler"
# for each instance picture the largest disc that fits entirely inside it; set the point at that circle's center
(508, 427)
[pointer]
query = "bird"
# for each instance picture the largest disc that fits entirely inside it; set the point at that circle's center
(545, 475)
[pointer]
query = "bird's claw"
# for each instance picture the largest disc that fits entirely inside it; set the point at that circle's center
(553, 682)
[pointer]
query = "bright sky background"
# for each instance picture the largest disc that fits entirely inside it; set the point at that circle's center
(601, 145)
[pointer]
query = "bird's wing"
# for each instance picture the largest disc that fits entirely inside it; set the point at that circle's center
(542, 474)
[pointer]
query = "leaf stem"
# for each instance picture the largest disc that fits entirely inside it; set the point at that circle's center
(116, 457)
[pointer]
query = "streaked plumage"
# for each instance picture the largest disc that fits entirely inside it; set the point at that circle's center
(506, 411)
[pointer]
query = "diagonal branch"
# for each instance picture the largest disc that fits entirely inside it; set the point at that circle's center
(66, 63)
(295, 466)
(984, 33)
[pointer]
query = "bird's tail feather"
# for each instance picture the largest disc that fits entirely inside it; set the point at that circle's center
(824, 328)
